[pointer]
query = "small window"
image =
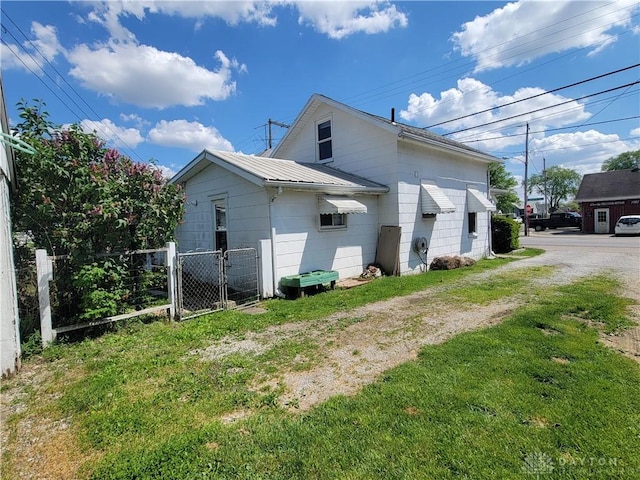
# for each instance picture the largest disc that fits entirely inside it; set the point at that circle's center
(333, 221)
(473, 217)
(220, 223)
(325, 151)
(602, 217)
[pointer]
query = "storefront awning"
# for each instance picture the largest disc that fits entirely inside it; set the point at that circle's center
(478, 202)
(434, 200)
(330, 205)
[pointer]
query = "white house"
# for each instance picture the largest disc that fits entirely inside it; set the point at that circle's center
(9, 324)
(348, 176)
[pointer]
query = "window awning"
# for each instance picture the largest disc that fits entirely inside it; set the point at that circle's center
(478, 202)
(330, 205)
(434, 200)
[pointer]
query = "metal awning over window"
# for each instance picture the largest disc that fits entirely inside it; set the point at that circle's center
(478, 202)
(330, 205)
(434, 200)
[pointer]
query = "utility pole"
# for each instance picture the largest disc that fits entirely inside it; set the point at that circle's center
(526, 174)
(277, 124)
(544, 173)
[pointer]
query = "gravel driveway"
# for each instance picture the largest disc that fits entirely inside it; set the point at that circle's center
(392, 332)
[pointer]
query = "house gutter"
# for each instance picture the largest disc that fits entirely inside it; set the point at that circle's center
(325, 188)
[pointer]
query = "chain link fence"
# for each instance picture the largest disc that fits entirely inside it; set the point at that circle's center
(241, 271)
(200, 283)
(213, 281)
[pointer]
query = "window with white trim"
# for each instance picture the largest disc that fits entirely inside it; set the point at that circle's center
(325, 149)
(333, 221)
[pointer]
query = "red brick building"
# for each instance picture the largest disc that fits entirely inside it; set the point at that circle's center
(605, 197)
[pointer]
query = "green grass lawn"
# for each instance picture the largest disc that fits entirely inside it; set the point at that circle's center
(534, 397)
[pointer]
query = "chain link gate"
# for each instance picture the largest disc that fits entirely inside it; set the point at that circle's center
(213, 281)
(241, 277)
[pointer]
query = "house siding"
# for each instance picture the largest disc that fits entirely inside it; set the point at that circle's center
(447, 233)
(358, 148)
(361, 148)
(302, 247)
(247, 211)
(9, 323)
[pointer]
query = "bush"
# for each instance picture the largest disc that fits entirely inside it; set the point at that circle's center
(505, 234)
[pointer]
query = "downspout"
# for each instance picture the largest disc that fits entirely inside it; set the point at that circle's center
(274, 262)
(491, 254)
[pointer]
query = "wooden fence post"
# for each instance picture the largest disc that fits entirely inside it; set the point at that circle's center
(44, 269)
(172, 262)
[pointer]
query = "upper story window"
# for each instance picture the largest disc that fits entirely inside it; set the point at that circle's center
(325, 151)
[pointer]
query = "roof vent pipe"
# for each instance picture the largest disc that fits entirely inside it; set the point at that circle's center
(393, 115)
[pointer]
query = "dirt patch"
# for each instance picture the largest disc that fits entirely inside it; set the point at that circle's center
(626, 342)
(44, 447)
(359, 354)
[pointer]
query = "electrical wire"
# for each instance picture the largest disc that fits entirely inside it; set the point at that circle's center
(564, 87)
(114, 134)
(542, 108)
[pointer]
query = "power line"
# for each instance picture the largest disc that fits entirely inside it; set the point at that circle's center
(473, 135)
(537, 95)
(543, 108)
(106, 128)
(552, 129)
(469, 63)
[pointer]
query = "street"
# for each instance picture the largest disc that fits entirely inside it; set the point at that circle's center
(571, 239)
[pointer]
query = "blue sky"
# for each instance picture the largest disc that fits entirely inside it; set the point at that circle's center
(166, 79)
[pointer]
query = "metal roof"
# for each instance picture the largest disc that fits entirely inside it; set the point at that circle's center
(329, 205)
(478, 202)
(276, 172)
(434, 200)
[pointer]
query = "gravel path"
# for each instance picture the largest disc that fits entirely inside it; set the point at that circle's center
(392, 332)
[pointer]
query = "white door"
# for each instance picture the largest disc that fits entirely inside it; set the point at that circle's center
(601, 220)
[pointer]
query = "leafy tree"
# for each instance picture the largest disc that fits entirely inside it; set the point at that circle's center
(79, 198)
(561, 184)
(500, 178)
(623, 161)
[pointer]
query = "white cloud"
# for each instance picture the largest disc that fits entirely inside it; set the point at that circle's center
(635, 132)
(191, 135)
(472, 95)
(145, 76)
(32, 55)
(335, 19)
(135, 119)
(522, 31)
(167, 172)
(340, 19)
(583, 152)
(119, 137)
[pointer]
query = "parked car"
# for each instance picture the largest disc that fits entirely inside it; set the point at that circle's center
(628, 225)
(555, 220)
